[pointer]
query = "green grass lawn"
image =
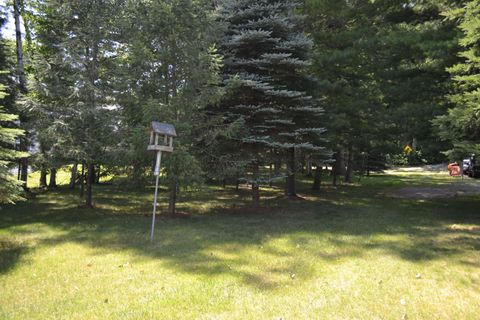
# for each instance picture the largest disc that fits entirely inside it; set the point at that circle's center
(345, 253)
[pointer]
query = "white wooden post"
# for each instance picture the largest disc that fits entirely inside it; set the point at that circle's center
(157, 174)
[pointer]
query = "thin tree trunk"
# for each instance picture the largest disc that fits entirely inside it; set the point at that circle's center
(167, 87)
(52, 184)
(308, 164)
(19, 45)
(172, 200)
(270, 173)
(94, 174)
(73, 176)
(19, 172)
(338, 167)
(137, 174)
(97, 177)
(22, 84)
(349, 172)
(43, 178)
(92, 73)
(317, 180)
(277, 167)
(290, 188)
(88, 198)
(82, 180)
(255, 186)
(24, 162)
(175, 90)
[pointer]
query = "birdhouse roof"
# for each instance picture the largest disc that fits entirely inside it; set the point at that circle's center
(163, 128)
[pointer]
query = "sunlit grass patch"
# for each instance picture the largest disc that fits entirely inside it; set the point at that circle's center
(342, 253)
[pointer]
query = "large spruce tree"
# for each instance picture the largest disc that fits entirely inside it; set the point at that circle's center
(266, 54)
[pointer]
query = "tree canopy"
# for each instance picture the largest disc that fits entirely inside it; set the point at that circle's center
(258, 90)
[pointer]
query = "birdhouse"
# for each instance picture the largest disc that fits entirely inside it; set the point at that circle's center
(161, 137)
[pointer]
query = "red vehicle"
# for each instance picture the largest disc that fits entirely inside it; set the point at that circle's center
(454, 169)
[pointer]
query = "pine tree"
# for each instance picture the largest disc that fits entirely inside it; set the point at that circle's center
(381, 66)
(10, 188)
(168, 72)
(461, 125)
(417, 45)
(265, 56)
(75, 44)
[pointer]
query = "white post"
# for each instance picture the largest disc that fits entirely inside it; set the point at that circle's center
(158, 163)
(157, 174)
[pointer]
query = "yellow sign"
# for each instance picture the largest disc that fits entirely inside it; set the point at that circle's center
(407, 149)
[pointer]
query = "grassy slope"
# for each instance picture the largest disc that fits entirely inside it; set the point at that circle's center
(345, 253)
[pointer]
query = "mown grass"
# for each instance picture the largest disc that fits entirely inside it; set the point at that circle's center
(343, 253)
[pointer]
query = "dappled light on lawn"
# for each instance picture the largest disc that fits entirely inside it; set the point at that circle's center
(344, 254)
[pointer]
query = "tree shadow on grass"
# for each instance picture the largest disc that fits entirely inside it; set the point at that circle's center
(264, 251)
(10, 254)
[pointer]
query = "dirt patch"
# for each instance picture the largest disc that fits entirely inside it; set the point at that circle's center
(294, 198)
(451, 191)
(465, 228)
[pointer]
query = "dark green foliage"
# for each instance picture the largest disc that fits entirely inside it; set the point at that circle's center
(266, 55)
(416, 49)
(382, 72)
(10, 187)
(461, 125)
(245, 87)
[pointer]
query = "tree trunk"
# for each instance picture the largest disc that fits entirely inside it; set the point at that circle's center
(19, 172)
(43, 178)
(94, 174)
(73, 176)
(317, 180)
(82, 180)
(22, 84)
(255, 186)
(349, 172)
(338, 167)
(92, 74)
(24, 162)
(172, 200)
(90, 173)
(97, 177)
(19, 46)
(137, 174)
(277, 167)
(308, 164)
(52, 184)
(270, 174)
(290, 188)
